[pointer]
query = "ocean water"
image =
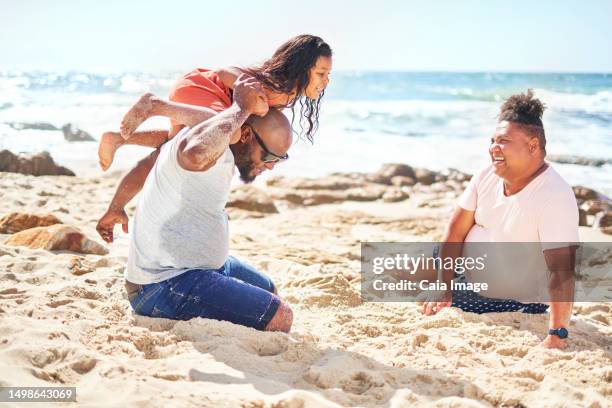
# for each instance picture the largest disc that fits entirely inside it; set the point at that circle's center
(433, 120)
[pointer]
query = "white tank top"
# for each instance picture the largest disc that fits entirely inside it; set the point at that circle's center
(180, 221)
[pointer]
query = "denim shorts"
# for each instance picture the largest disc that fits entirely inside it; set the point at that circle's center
(236, 292)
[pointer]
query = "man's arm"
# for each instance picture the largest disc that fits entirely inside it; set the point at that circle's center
(202, 145)
(561, 263)
(222, 130)
(459, 226)
(129, 186)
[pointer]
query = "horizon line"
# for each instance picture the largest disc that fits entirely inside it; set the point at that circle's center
(343, 71)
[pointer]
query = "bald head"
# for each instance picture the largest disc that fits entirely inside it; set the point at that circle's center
(274, 129)
(252, 156)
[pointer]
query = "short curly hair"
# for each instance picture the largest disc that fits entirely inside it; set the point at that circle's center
(527, 111)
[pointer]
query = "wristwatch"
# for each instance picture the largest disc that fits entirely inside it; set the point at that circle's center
(561, 332)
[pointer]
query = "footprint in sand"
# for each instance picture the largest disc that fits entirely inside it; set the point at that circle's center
(61, 373)
(319, 282)
(170, 376)
(58, 335)
(43, 358)
(84, 365)
(419, 339)
(57, 303)
(337, 290)
(359, 383)
(10, 291)
(514, 351)
(534, 375)
(556, 357)
(268, 346)
(355, 382)
(8, 277)
(148, 345)
(14, 294)
(82, 293)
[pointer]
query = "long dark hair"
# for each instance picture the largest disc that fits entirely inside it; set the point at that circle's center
(288, 70)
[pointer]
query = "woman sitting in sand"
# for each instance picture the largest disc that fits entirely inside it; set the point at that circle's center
(298, 70)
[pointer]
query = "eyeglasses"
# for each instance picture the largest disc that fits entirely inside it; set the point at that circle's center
(269, 157)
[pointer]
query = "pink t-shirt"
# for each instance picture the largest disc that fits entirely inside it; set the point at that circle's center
(545, 211)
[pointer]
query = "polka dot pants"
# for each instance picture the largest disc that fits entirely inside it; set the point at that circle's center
(470, 301)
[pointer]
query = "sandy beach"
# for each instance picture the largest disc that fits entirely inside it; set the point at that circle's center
(65, 319)
(390, 110)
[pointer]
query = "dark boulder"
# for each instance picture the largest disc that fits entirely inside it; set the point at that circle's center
(39, 164)
(390, 170)
(73, 134)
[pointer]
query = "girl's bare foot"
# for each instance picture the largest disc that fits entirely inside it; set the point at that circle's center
(109, 143)
(141, 111)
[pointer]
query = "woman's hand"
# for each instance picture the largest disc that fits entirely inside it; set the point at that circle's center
(439, 302)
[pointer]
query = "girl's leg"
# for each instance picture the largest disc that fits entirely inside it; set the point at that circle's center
(147, 106)
(150, 105)
(111, 141)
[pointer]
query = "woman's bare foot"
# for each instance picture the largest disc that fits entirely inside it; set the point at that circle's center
(141, 111)
(109, 143)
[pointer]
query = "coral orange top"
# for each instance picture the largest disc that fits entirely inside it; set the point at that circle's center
(202, 87)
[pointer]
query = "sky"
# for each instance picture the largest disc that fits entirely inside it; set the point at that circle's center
(515, 36)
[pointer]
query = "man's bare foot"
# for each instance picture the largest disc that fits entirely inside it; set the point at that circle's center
(141, 111)
(109, 143)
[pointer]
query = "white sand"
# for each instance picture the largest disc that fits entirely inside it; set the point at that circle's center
(58, 328)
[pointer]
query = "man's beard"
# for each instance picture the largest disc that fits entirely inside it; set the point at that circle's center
(242, 160)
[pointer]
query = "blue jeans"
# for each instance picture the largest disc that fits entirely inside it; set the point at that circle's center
(236, 292)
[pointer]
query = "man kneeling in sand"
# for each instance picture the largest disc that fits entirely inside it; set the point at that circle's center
(178, 265)
(519, 198)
